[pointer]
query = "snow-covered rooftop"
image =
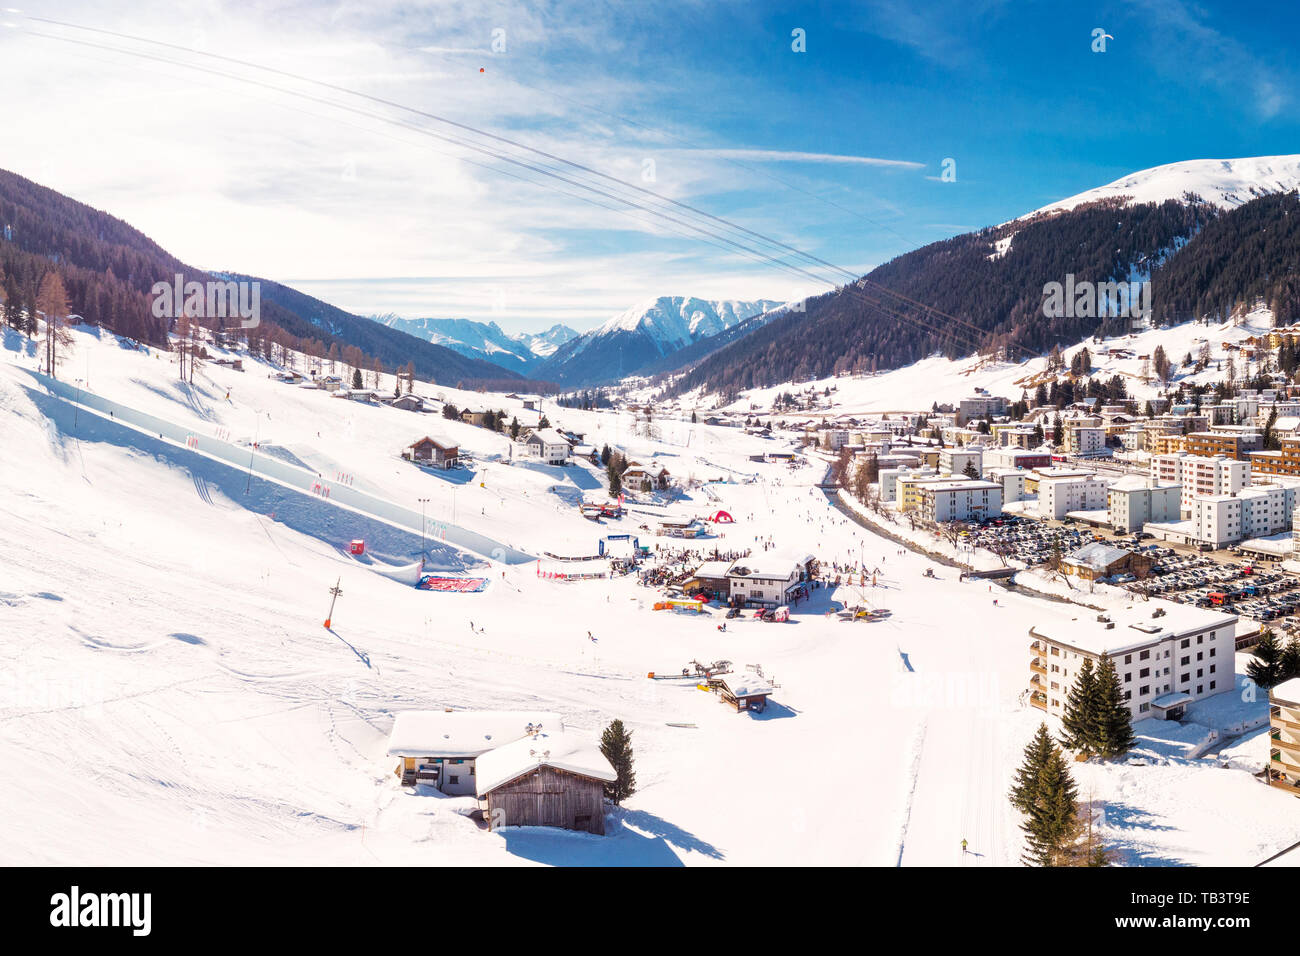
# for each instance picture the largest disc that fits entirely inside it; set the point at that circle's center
(463, 733)
(563, 751)
(747, 684)
(1287, 691)
(1134, 626)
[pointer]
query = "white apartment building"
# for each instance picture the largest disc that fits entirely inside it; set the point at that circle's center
(889, 479)
(954, 461)
(1132, 501)
(1167, 655)
(1200, 476)
(1012, 481)
(1059, 496)
(1085, 439)
(960, 500)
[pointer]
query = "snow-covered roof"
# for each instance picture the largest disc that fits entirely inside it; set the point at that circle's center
(713, 569)
(563, 751)
(1288, 691)
(1098, 555)
(1133, 626)
(549, 436)
(746, 684)
(1172, 700)
(463, 733)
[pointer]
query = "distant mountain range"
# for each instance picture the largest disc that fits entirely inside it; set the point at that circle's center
(639, 340)
(643, 335)
(521, 352)
(1213, 238)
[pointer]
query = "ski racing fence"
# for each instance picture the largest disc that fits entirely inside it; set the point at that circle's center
(307, 482)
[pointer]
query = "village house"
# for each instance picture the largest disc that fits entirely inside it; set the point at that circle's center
(407, 403)
(364, 395)
(548, 779)
(545, 445)
(440, 748)
(433, 452)
(643, 478)
(474, 416)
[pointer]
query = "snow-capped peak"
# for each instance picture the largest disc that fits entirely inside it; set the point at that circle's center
(1225, 183)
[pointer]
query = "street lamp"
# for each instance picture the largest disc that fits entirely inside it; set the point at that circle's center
(423, 502)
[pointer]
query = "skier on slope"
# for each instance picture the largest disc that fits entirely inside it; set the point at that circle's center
(963, 845)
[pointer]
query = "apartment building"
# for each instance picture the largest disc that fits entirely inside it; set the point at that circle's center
(1283, 462)
(1228, 444)
(1085, 439)
(970, 500)
(1284, 736)
(980, 406)
(909, 489)
(889, 478)
(1132, 501)
(1167, 655)
(955, 461)
(1253, 512)
(1057, 497)
(1200, 476)
(1012, 481)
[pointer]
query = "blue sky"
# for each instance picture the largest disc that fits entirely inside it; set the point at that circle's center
(378, 217)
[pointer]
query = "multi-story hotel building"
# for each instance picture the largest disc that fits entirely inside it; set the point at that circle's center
(1284, 462)
(1167, 655)
(1228, 444)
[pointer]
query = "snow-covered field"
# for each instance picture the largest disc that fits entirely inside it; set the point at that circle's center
(172, 697)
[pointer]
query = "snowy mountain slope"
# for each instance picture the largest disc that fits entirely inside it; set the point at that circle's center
(520, 352)
(644, 333)
(1225, 183)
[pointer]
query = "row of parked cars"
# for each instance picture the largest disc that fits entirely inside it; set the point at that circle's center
(1030, 541)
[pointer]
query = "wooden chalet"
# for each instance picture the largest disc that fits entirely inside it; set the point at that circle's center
(430, 451)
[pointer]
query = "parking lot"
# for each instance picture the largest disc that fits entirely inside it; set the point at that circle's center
(1244, 586)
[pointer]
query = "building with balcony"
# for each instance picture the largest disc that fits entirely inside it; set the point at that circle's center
(1167, 655)
(1284, 736)
(970, 500)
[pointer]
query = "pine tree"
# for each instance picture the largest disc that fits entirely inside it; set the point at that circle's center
(616, 745)
(1290, 660)
(356, 379)
(615, 477)
(1080, 714)
(1051, 824)
(1265, 668)
(1024, 792)
(1113, 734)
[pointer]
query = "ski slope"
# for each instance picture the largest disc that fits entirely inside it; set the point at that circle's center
(172, 696)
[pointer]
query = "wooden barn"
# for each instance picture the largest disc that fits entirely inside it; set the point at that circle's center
(545, 780)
